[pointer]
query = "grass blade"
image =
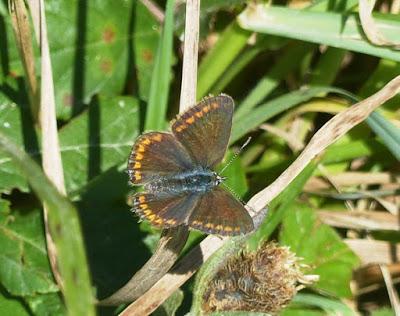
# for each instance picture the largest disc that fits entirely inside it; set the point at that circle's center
(389, 133)
(328, 28)
(66, 232)
(160, 83)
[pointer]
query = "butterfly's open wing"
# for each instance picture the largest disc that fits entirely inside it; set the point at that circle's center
(218, 212)
(164, 210)
(204, 129)
(156, 154)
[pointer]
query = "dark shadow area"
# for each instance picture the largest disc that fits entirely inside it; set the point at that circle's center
(94, 139)
(31, 143)
(4, 59)
(111, 232)
(131, 81)
(79, 58)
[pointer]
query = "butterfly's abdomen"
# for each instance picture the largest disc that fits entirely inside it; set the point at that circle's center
(194, 181)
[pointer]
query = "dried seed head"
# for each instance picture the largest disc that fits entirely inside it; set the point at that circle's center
(263, 281)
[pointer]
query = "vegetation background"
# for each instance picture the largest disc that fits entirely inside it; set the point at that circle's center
(117, 72)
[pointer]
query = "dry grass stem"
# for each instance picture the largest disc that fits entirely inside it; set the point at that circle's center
(373, 251)
(23, 35)
(51, 157)
(393, 296)
(352, 179)
(294, 143)
(328, 134)
(154, 9)
(370, 28)
(153, 298)
(369, 220)
(190, 55)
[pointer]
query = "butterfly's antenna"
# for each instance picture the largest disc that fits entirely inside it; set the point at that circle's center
(233, 193)
(235, 155)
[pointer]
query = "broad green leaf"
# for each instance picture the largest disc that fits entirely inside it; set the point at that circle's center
(89, 57)
(98, 139)
(160, 80)
(16, 123)
(46, 304)
(24, 266)
(91, 143)
(12, 305)
(66, 232)
(321, 247)
(328, 28)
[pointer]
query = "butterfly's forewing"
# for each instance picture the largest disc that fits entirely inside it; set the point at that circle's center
(218, 212)
(204, 130)
(164, 210)
(157, 154)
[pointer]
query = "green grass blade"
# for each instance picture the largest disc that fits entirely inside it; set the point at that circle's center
(244, 124)
(389, 133)
(271, 80)
(328, 28)
(65, 230)
(218, 59)
(330, 306)
(160, 83)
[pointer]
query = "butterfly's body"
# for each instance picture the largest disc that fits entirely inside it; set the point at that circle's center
(196, 181)
(176, 170)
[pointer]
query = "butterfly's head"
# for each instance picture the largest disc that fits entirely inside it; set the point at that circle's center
(218, 179)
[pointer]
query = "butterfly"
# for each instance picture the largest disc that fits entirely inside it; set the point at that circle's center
(176, 171)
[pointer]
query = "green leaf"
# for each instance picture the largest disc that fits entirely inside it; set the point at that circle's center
(66, 232)
(24, 266)
(92, 57)
(98, 139)
(327, 28)
(46, 304)
(91, 143)
(11, 305)
(160, 81)
(321, 247)
(329, 305)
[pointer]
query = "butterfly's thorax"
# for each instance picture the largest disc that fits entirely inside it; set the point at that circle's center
(193, 181)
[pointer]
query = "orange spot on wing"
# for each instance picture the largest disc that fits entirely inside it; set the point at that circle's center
(157, 137)
(219, 227)
(206, 109)
(159, 221)
(143, 206)
(137, 175)
(142, 198)
(190, 120)
(137, 165)
(140, 148)
(146, 141)
(199, 114)
(215, 105)
(138, 156)
(228, 228)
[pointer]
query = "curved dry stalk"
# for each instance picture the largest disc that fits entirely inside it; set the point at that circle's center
(155, 268)
(336, 127)
(370, 28)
